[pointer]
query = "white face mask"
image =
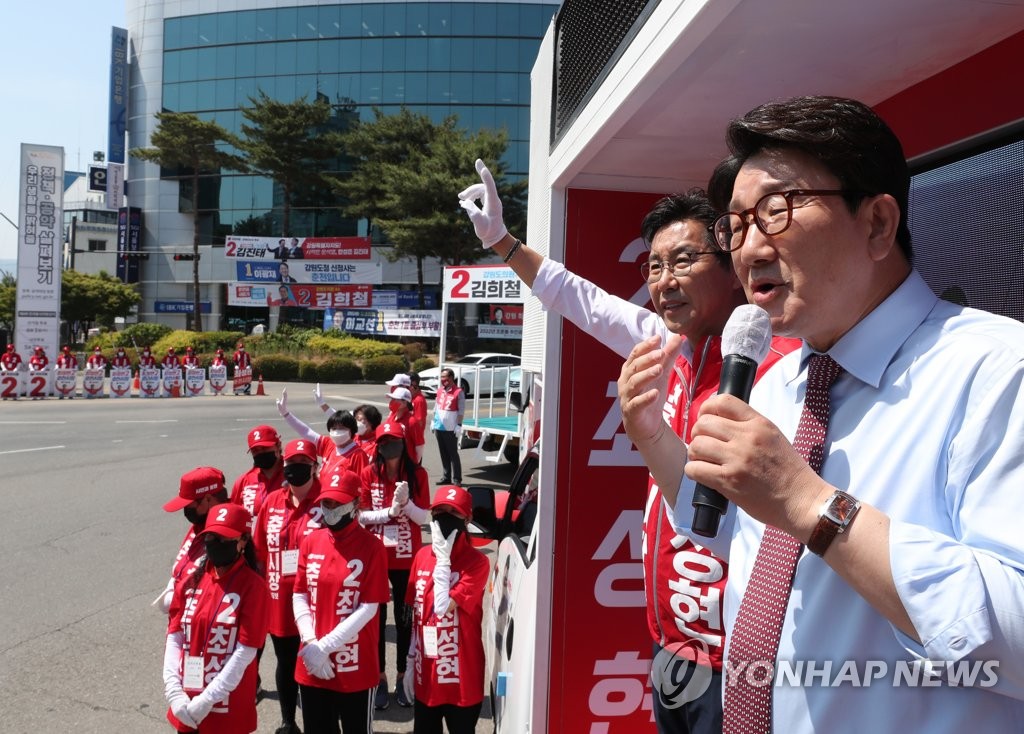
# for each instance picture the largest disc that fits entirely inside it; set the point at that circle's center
(337, 514)
(361, 427)
(341, 436)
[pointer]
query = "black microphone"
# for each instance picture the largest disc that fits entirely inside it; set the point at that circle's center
(745, 342)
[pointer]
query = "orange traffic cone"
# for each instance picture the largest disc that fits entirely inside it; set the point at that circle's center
(135, 384)
(259, 386)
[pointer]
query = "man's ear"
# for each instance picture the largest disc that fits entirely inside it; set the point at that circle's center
(881, 215)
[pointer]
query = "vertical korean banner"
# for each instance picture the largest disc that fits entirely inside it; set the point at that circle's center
(601, 651)
(118, 111)
(129, 235)
(40, 238)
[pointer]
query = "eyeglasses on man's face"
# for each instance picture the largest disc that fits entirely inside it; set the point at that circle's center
(772, 215)
(653, 270)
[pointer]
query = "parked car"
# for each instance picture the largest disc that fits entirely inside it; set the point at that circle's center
(489, 368)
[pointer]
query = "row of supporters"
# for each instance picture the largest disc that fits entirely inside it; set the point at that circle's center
(11, 361)
(306, 555)
(149, 382)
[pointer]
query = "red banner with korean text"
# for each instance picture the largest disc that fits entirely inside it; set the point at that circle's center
(601, 650)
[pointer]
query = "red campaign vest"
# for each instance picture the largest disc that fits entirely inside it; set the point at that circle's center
(241, 360)
(10, 361)
(281, 527)
(38, 363)
(250, 490)
(446, 400)
(67, 362)
(456, 675)
(95, 362)
(187, 560)
(149, 361)
(171, 362)
(684, 581)
(122, 362)
(378, 492)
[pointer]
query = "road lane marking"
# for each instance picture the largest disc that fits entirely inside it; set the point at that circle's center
(22, 451)
(165, 420)
(32, 423)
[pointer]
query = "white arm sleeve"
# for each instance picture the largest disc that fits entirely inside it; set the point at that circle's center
(172, 664)
(163, 600)
(303, 617)
(349, 626)
(442, 588)
(375, 517)
(416, 514)
(230, 675)
(301, 428)
(616, 322)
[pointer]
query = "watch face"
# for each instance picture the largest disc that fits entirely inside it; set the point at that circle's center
(841, 508)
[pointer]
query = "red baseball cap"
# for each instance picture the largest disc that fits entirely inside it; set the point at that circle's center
(390, 428)
(341, 485)
(195, 484)
(455, 498)
(228, 520)
(300, 447)
(263, 436)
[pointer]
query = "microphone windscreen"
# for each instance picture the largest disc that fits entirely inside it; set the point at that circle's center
(748, 332)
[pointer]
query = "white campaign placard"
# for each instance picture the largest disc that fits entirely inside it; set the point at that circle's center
(92, 383)
(173, 382)
(120, 382)
(39, 383)
(242, 380)
(40, 241)
(195, 381)
(65, 381)
(218, 379)
(149, 382)
(11, 384)
(483, 284)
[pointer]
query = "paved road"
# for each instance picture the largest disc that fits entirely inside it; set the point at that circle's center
(85, 547)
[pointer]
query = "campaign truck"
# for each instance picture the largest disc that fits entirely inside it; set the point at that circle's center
(628, 106)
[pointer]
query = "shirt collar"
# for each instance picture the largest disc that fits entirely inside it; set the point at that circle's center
(866, 350)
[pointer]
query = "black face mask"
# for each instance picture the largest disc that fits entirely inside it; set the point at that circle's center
(298, 474)
(342, 523)
(221, 551)
(391, 449)
(448, 522)
(265, 460)
(193, 516)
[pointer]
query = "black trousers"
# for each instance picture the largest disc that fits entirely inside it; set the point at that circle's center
(460, 719)
(323, 708)
(451, 464)
(702, 715)
(399, 579)
(286, 649)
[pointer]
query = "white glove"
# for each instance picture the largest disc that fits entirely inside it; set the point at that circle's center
(402, 492)
(199, 708)
(442, 545)
(179, 702)
(318, 397)
(458, 431)
(409, 682)
(487, 220)
(317, 660)
(163, 601)
(282, 403)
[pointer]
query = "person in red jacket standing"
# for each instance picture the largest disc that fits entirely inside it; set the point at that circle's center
(147, 359)
(338, 449)
(171, 360)
(288, 515)
(446, 592)
(39, 361)
(121, 359)
(10, 360)
(190, 360)
(251, 488)
(96, 359)
(242, 362)
(400, 405)
(367, 419)
(67, 360)
(218, 359)
(218, 619)
(340, 587)
(198, 491)
(395, 497)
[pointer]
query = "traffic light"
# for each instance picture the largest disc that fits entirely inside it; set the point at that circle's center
(185, 256)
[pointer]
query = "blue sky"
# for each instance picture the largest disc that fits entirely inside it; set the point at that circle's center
(55, 58)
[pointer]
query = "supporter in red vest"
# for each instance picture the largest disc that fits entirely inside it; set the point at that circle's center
(449, 410)
(445, 674)
(171, 361)
(121, 359)
(400, 405)
(10, 360)
(39, 361)
(96, 359)
(190, 360)
(147, 359)
(251, 488)
(67, 360)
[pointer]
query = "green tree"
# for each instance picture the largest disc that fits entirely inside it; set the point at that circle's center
(95, 298)
(290, 143)
(8, 294)
(187, 148)
(407, 173)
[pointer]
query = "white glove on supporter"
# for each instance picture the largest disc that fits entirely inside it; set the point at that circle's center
(487, 219)
(163, 600)
(402, 492)
(223, 684)
(176, 697)
(442, 575)
(282, 403)
(303, 618)
(321, 403)
(179, 707)
(317, 660)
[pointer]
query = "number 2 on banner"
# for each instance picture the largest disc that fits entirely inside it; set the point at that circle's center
(38, 384)
(459, 287)
(9, 385)
(230, 249)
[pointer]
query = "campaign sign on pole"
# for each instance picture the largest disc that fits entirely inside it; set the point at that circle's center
(92, 383)
(173, 382)
(10, 384)
(298, 248)
(195, 381)
(483, 284)
(149, 382)
(64, 382)
(40, 383)
(243, 380)
(120, 382)
(218, 379)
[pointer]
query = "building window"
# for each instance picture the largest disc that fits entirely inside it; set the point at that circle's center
(97, 245)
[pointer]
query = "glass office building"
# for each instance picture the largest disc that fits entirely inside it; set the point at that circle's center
(470, 59)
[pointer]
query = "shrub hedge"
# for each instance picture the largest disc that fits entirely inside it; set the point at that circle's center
(279, 367)
(379, 369)
(423, 363)
(338, 369)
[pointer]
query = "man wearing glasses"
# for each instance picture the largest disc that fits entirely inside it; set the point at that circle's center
(694, 291)
(888, 446)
